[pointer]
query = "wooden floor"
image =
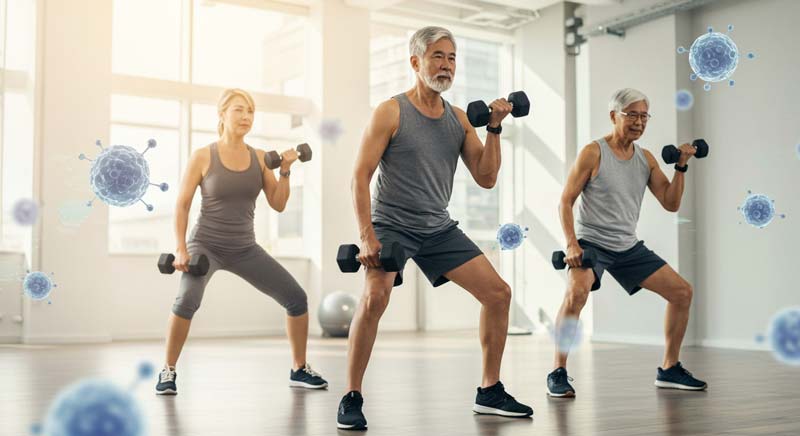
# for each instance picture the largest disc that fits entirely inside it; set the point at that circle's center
(417, 384)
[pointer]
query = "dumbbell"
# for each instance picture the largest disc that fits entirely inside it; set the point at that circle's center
(273, 159)
(478, 112)
(391, 257)
(671, 154)
(588, 259)
(198, 264)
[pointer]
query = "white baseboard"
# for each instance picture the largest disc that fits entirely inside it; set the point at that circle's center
(734, 344)
(67, 339)
(637, 340)
(201, 333)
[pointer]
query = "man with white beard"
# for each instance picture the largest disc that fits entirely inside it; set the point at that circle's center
(416, 138)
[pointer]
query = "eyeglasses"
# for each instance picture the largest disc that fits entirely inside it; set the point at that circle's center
(632, 116)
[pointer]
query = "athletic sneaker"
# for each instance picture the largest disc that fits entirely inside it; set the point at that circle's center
(306, 377)
(166, 382)
(558, 384)
(677, 377)
(350, 416)
(494, 400)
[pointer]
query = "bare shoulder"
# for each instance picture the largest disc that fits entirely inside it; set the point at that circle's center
(462, 116)
(651, 160)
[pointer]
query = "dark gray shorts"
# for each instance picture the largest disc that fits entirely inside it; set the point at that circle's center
(435, 254)
(630, 267)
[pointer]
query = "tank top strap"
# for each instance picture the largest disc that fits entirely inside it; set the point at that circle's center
(215, 162)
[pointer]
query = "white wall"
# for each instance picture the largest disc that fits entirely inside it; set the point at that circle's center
(746, 274)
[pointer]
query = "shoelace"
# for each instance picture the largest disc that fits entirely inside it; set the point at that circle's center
(307, 369)
(349, 402)
(167, 376)
(561, 376)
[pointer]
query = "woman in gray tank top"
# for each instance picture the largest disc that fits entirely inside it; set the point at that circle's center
(230, 175)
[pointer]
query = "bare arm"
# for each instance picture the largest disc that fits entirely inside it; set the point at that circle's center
(668, 193)
(191, 179)
(579, 175)
(483, 161)
(385, 121)
(276, 190)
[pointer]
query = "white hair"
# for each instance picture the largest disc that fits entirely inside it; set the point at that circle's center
(426, 36)
(624, 98)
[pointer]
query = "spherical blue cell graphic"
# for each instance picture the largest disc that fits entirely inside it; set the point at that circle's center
(25, 212)
(37, 285)
(510, 236)
(568, 334)
(713, 56)
(120, 175)
(94, 408)
(784, 336)
(758, 210)
(684, 100)
(146, 370)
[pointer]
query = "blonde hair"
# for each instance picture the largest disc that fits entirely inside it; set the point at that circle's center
(225, 101)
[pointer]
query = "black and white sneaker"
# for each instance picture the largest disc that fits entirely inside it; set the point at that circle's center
(558, 384)
(166, 382)
(306, 377)
(677, 377)
(494, 400)
(349, 416)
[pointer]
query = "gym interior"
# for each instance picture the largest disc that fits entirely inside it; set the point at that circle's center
(87, 286)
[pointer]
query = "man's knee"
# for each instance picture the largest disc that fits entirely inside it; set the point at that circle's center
(498, 295)
(578, 292)
(375, 300)
(682, 295)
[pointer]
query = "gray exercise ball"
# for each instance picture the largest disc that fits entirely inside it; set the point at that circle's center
(336, 312)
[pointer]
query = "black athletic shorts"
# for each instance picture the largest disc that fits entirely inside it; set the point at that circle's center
(630, 267)
(435, 254)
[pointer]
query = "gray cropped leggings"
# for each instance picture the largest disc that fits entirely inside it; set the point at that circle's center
(252, 264)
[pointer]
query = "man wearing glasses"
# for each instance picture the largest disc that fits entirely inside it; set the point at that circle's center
(610, 176)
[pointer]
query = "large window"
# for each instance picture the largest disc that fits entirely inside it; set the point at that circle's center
(481, 71)
(17, 46)
(167, 77)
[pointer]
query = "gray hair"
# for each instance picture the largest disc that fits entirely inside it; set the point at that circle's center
(426, 36)
(625, 97)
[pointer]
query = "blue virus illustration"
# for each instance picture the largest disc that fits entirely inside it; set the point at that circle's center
(120, 175)
(37, 285)
(758, 210)
(784, 336)
(568, 334)
(510, 236)
(330, 130)
(96, 407)
(713, 57)
(25, 212)
(684, 100)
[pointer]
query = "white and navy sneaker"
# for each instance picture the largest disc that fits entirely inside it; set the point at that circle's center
(494, 400)
(349, 416)
(306, 377)
(677, 377)
(558, 384)
(166, 382)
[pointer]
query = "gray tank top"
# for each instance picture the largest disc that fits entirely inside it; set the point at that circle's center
(228, 205)
(416, 170)
(609, 206)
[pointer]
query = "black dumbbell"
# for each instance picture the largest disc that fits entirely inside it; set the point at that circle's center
(478, 112)
(273, 159)
(391, 258)
(588, 259)
(198, 264)
(671, 154)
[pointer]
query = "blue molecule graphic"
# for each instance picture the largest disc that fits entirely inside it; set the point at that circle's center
(330, 130)
(684, 100)
(37, 285)
(25, 212)
(758, 210)
(120, 175)
(713, 57)
(568, 334)
(797, 150)
(96, 407)
(510, 236)
(784, 336)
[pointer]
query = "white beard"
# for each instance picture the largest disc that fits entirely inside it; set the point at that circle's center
(439, 85)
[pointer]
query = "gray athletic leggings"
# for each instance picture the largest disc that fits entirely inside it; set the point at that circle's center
(252, 264)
